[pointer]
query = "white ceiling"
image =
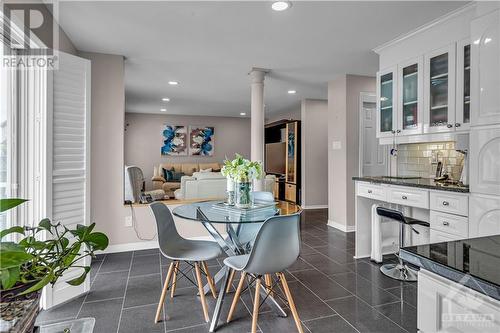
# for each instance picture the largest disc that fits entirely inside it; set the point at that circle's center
(209, 47)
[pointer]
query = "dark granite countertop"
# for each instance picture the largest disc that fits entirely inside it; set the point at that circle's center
(428, 183)
(471, 262)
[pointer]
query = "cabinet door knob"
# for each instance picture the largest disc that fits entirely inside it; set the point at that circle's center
(446, 223)
(449, 125)
(446, 203)
(393, 132)
(404, 197)
(398, 131)
(458, 125)
(370, 191)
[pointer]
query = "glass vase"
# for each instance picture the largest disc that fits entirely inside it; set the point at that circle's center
(243, 194)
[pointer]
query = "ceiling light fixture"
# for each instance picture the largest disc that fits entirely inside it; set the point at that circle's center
(292, 92)
(280, 6)
(173, 83)
(163, 110)
(165, 99)
(243, 114)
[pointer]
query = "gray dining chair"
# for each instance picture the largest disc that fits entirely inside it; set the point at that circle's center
(194, 253)
(247, 231)
(276, 247)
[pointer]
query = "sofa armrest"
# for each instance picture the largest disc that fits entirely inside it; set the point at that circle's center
(158, 179)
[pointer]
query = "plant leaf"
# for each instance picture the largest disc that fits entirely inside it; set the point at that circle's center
(72, 254)
(12, 255)
(79, 280)
(64, 242)
(9, 277)
(46, 225)
(97, 241)
(40, 284)
(6, 204)
(17, 229)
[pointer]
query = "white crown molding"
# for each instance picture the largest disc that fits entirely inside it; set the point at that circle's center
(341, 227)
(439, 20)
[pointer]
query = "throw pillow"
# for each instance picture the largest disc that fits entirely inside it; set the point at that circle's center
(176, 176)
(168, 175)
(206, 170)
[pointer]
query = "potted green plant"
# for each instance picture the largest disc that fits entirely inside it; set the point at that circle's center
(29, 264)
(242, 172)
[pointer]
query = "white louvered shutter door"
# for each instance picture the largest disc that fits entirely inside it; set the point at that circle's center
(69, 174)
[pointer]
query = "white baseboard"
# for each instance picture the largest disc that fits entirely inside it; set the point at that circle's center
(341, 227)
(145, 245)
(315, 207)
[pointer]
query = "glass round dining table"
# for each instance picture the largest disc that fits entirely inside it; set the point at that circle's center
(241, 225)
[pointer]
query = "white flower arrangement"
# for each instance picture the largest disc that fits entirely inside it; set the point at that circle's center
(242, 170)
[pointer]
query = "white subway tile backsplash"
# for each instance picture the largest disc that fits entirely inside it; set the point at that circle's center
(416, 159)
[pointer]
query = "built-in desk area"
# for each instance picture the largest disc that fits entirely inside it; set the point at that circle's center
(444, 206)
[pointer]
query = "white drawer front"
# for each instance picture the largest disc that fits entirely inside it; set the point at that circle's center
(450, 203)
(409, 197)
(436, 236)
(372, 191)
(452, 224)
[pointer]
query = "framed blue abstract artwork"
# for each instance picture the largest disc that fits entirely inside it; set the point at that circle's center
(174, 141)
(201, 141)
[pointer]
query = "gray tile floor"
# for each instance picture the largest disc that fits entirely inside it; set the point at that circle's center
(332, 291)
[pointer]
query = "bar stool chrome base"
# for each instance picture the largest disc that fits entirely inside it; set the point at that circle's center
(399, 271)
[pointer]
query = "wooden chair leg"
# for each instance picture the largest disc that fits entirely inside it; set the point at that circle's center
(230, 282)
(269, 284)
(290, 302)
(164, 292)
(200, 289)
(236, 296)
(209, 279)
(256, 303)
(174, 279)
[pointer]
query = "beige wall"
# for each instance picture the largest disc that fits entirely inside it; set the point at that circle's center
(293, 112)
(343, 161)
(314, 160)
(107, 114)
(143, 139)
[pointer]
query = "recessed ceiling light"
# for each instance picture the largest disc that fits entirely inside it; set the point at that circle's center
(173, 83)
(281, 5)
(165, 99)
(292, 92)
(243, 114)
(163, 110)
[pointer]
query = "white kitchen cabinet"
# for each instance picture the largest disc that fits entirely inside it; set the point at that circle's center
(446, 306)
(462, 106)
(386, 102)
(439, 90)
(485, 160)
(450, 224)
(409, 112)
(484, 215)
(485, 75)
(438, 236)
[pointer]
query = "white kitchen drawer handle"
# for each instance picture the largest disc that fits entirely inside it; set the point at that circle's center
(446, 203)
(404, 197)
(446, 223)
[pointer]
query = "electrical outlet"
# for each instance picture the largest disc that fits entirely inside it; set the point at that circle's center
(128, 221)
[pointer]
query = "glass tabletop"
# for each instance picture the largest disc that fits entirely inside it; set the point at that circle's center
(218, 212)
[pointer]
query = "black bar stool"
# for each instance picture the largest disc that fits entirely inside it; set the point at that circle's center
(400, 271)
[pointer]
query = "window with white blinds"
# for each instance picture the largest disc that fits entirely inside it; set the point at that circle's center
(70, 142)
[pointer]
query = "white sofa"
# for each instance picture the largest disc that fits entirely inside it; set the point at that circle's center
(202, 185)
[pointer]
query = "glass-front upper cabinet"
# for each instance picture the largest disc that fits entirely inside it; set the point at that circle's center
(410, 97)
(462, 121)
(386, 105)
(439, 87)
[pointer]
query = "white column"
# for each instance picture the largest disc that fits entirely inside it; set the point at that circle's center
(257, 118)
